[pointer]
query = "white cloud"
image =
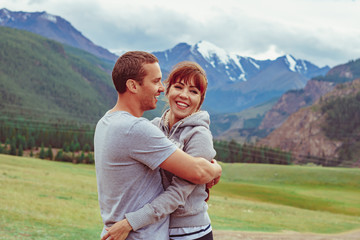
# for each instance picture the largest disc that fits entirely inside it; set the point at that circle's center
(321, 31)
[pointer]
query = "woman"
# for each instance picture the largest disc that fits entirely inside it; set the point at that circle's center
(188, 128)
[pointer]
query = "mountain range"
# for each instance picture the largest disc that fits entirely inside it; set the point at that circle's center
(43, 80)
(235, 82)
(55, 28)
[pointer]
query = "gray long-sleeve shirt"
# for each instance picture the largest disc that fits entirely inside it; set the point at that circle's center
(183, 200)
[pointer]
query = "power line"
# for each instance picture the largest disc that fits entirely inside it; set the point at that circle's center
(276, 155)
(49, 127)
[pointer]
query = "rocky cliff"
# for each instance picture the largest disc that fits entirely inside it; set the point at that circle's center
(292, 101)
(302, 133)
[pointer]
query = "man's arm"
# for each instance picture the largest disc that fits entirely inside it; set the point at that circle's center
(166, 203)
(177, 193)
(194, 169)
(118, 231)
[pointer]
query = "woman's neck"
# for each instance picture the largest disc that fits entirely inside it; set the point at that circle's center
(170, 118)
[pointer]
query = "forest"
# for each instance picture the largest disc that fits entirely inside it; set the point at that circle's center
(342, 123)
(74, 143)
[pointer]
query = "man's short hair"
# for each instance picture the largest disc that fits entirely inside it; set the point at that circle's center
(130, 66)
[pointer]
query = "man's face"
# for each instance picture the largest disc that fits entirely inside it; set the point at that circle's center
(151, 87)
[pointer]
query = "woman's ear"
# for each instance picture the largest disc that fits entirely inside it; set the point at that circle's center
(132, 85)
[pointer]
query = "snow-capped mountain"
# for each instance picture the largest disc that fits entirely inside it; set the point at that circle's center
(237, 82)
(220, 66)
(236, 67)
(230, 68)
(52, 27)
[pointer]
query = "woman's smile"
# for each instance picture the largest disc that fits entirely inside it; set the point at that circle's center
(182, 104)
(184, 100)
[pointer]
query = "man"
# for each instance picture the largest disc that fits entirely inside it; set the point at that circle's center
(129, 150)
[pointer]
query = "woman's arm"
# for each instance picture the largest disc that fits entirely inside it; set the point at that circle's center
(199, 145)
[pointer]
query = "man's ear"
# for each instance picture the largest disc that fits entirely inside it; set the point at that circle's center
(132, 85)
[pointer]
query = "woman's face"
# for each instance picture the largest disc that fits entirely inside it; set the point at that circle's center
(184, 99)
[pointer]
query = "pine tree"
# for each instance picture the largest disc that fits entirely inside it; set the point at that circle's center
(13, 146)
(233, 149)
(82, 157)
(31, 142)
(49, 153)
(86, 148)
(42, 152)
(66, 147)
(90, 158)
(20, 151)
(59, 156)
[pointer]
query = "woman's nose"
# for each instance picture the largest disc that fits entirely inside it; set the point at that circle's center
(184, 93)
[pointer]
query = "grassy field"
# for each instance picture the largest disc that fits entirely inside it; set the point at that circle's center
(42, 199)
(277, 198)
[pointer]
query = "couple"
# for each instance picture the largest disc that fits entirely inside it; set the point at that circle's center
(130, 153)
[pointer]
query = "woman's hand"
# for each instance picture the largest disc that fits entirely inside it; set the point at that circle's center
(118, 231)
(215, 180)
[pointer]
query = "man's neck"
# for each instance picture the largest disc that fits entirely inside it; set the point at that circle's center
(127, 104)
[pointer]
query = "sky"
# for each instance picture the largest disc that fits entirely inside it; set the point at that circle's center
(324, 32)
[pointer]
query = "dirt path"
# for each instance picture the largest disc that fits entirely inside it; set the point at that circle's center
(235, 235)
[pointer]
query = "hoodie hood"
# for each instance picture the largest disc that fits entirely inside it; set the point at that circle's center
(199, 118)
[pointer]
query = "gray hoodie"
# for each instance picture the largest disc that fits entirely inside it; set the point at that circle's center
(183, 200)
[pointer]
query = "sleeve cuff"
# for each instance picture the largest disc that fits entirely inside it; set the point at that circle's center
(142, 217)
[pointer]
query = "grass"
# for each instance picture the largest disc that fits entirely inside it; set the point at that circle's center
(277, 198)
(42, 199)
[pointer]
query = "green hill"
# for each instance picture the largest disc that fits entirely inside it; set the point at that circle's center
(42, 199)
(43, 80)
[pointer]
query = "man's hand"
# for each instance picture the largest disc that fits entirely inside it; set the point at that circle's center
(118, 231)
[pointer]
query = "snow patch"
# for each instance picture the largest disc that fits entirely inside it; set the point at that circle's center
(7, 16)
(291, 62)
(26, 16)
(242, 77)
(208, 50)
(304, 65)
(254, 63)
(7, 13)
(232, 79)
(49, 17)
(236, 59)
